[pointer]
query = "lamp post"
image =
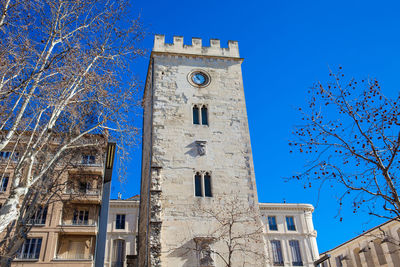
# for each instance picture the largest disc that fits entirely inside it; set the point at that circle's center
(105, 200)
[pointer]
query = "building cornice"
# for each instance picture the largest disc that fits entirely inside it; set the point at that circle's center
(385, 224)
(158, 53)
(116, 203)
(286, 206)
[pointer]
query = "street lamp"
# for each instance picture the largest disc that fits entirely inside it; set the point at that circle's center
(105, 200)
(109, 162)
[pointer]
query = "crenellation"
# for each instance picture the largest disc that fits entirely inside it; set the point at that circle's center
(196, 42)
(159, 41)
(178, 47)
(178, 41)
(215, 43)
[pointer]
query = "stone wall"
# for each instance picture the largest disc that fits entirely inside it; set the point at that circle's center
(228, 155)
(144, 208)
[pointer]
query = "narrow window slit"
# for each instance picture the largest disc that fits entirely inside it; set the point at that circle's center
(197, 184)
(207, 185)
(204, 115)
(196, 114)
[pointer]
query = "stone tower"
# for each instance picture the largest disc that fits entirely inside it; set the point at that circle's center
(196, 159)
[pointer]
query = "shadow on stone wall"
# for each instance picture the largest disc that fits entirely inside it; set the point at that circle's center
(187, 253)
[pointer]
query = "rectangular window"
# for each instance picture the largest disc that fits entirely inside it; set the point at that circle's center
(119, 253)
(30, 249)
(197, 185)
(81, 217)
(5, 155)
(290, 223)
(296, 254)
(277, 252)
(338, 261)
(120, 221)
(40, 216)
(88, 159)
(272, 223)
(84, 187)
(207, 185)
(3, 184)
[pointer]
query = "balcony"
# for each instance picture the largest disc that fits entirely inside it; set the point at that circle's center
(74, 257)
(79, 195)
(79, 223)
(88, 192)
(80, 218)
(9, 156)
(72, 247)
(37, 222)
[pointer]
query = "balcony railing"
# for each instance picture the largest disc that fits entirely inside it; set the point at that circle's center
(75, 257)
(90, 164)
(79, 223)
(89, 192)
(37, 221)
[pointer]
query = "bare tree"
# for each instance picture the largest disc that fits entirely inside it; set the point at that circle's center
(234, 229)
(33, 208)
(351, 132)
(64, 78)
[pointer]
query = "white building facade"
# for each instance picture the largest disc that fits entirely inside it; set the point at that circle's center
(289, 233)
(121, 231)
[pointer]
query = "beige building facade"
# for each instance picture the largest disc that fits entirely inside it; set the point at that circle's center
(64, 231)
(378, 246)
(121, 231)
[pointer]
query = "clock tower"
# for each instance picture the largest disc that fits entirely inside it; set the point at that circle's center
(197, 165)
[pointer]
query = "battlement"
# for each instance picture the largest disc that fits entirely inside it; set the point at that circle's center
(196, 48)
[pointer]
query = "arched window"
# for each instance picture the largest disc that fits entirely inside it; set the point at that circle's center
(207, 185)
(197, 185)
(118, 253)
(196, 119)
(202, 185)
(204, 115)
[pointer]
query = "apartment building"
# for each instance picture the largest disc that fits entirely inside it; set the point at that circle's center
(64, 231)
(379, 246)
(289, 233)
(121, 231)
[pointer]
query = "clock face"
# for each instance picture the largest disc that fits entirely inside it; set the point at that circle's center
(199, 78)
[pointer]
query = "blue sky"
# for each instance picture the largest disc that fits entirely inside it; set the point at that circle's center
(287, 46)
